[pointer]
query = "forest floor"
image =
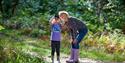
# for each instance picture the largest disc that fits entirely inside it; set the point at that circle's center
(63, 57)
(41, 48)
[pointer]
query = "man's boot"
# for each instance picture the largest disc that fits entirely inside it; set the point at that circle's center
(70, 60)
(76, 56)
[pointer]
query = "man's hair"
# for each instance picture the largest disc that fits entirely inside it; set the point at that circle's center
(63, 12)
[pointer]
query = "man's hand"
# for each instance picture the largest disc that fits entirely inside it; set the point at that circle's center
(71, 40)
(75, 41)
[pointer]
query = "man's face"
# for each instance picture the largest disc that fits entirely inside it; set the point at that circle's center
(63, 17)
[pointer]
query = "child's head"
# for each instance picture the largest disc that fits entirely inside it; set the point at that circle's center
(56, 17)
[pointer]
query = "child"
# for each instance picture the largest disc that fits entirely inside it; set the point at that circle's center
(55, 37)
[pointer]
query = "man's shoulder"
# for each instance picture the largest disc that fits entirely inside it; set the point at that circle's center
(74, 19)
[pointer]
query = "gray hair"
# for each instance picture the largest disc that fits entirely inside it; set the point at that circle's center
(63, 12)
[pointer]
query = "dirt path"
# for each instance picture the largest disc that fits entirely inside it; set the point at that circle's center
(64, 57)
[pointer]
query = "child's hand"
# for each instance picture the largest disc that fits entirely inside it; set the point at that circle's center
(53, 21)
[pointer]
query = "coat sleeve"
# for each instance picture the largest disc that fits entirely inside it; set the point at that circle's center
(73, 30)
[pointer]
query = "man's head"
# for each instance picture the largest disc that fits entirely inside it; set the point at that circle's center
(63, 15)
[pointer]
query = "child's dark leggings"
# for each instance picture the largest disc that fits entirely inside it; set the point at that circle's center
(55, 45)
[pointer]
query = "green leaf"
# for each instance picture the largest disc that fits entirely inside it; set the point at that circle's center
(1, 27)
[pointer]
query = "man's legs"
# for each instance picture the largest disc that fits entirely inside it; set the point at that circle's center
(71, 56)
(75, 47)
(79, 38)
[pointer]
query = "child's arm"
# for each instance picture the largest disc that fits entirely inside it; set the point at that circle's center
(52, 20)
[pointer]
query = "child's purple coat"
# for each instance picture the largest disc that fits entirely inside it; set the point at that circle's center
(55, 32)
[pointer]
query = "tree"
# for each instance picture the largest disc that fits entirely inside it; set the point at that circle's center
(7, 8)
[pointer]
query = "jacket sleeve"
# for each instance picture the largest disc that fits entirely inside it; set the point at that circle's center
(73, 29)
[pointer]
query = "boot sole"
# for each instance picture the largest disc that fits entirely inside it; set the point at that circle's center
(76, 61)
(69, 62)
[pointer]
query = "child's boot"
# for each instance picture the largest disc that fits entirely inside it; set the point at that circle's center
(52, 59)
(58, 59)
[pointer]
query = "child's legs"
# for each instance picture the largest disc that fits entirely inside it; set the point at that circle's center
(52, 48)
(58, 48)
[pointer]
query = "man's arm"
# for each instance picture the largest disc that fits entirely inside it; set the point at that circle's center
(73, 29)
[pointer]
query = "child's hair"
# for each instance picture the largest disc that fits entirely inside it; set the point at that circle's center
(56, 16)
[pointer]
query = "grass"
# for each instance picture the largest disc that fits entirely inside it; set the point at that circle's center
(96, 55)
(24, 45)
(97, 47)
(15, 51)
(14, 54)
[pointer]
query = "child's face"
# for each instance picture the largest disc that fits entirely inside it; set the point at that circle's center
(57, 20)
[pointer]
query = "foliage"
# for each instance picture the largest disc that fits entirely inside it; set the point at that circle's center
(29, 11)
(104, 18)
(10, 55)
(16, 51)
(1, 27)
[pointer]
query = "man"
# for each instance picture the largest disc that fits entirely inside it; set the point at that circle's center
(77, 30)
